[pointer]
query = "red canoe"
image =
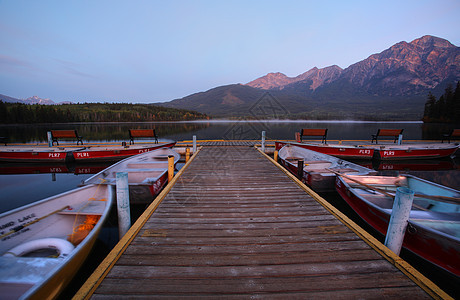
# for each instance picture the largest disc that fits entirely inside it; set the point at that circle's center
(414, 151)
(94, 153)
(114, 153)
(382, 152)
(341, 151)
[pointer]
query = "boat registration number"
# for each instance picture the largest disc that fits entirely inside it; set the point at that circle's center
(388, 153)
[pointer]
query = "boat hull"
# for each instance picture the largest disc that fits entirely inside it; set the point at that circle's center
(435, 247)
(414, 152)
(100, 154)
(147, 174)
(56, 217)
(79, 155)
(341, 151)
(378, 152)
(42, 155)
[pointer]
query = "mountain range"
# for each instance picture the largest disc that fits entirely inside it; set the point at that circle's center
(393, 84)
(30, 100)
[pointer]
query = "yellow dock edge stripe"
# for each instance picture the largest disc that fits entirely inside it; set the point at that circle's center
(88, 288)
(418, 278)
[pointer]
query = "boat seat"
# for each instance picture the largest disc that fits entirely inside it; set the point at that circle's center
(309, 162)
(90, 208)
(344, 170)
(147, 165)
(150, 179)
(293, 158)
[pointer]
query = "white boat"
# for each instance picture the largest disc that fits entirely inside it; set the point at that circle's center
(43, 244)
(318, 168)
(433, 232)
(147, 174)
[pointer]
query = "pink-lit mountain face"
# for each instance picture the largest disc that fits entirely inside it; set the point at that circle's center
(279, 81)
(390, 85)
(403, 69)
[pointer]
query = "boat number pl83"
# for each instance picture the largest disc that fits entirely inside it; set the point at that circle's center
(367, 151)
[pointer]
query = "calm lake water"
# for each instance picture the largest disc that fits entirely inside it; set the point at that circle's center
(18, 188)
(338, 130)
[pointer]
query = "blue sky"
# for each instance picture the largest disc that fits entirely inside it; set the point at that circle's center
(154, 51)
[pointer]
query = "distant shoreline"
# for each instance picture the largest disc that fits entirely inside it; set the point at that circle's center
(295, 121)
(225, 121)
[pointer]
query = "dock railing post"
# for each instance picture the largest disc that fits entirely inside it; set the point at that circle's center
(50, 139)
(399, 219)
(124, 214)
(194, 144)
(170, 167)
(400, 137)
(187, 154)
(263, 141)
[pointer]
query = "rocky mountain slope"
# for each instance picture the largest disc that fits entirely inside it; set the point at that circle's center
(391, 84)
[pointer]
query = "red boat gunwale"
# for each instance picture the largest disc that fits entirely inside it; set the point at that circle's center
(115, 154)
(341, 151)
(85, 154)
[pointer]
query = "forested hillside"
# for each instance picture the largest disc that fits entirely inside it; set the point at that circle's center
(446, 109)
(92, 112)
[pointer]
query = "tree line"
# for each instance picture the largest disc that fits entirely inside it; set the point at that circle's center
(20, 113)
(446, 109)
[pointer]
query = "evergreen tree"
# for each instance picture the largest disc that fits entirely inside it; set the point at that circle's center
(429, 107)
(3, 112)
(446, 108)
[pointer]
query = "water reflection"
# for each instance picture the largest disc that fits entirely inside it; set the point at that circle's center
(98, 131)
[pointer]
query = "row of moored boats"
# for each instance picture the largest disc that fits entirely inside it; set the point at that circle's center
(433, 231)
(43, 244)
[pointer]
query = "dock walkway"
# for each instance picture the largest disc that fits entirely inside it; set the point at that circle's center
(236, 226)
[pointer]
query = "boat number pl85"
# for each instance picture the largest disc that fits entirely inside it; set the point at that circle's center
(388, 153)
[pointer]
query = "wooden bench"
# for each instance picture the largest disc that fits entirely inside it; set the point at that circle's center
(454, 134)
(65, 134)
(314, 132)
(142, 133)
(386, 132)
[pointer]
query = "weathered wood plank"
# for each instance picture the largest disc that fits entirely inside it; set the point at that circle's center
(230, 259)
(310, 269)
(256, 285)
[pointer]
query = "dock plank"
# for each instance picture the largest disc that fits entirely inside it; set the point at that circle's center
(235, 226)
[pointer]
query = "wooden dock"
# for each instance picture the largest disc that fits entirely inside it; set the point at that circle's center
(232, 224)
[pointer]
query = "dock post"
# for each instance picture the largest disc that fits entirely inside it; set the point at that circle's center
(170, 167)
(187, 154)
(50, 139)
(400, 137)
(124, 214)
(275, 155)
(194, 144)
(263, 141)
(300, 169)
(399, 219)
